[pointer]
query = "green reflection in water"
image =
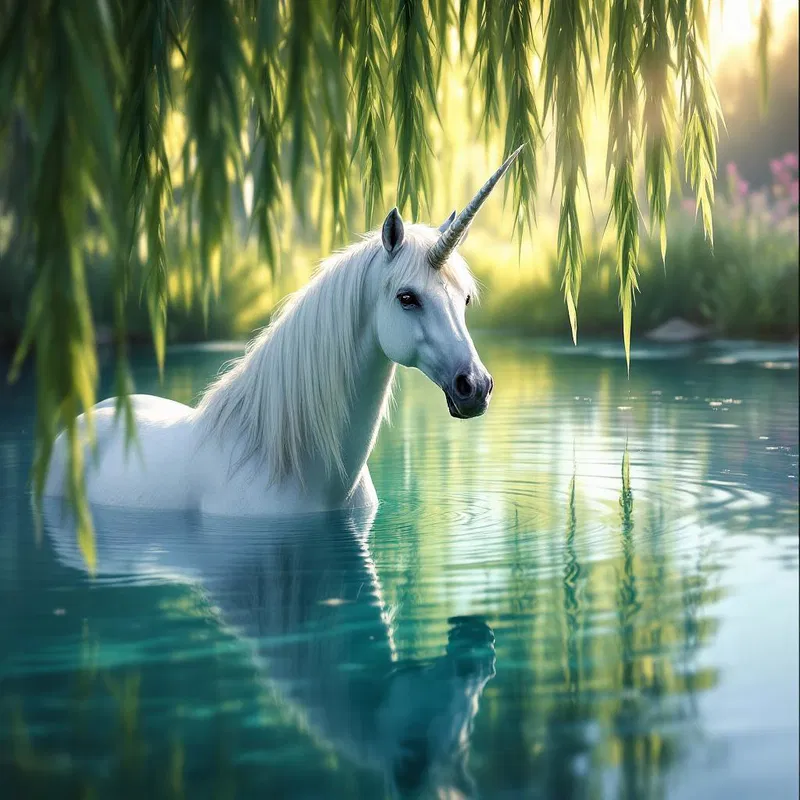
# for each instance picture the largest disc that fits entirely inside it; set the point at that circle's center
(595, 523)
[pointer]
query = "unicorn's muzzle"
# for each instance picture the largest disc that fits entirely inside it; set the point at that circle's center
(470, 647)
(469, 393)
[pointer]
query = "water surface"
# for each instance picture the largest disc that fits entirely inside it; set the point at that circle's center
(592, 591)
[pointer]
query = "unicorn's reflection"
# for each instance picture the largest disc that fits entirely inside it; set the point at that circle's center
(304, 594)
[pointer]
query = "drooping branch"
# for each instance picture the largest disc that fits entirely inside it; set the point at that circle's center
(267, 172)
(75, 169)
(566, 57)
(414, 99)
(487, 55)
(700, 108)
(146, 34)
(297, 108)
(623, 90)
(370, 91)
(215, 64)
(523, 126)
(658, 119)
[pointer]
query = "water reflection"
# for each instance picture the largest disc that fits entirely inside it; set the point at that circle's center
(305, 598)
(631, 545)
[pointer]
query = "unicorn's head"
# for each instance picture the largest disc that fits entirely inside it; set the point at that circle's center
(422, 303)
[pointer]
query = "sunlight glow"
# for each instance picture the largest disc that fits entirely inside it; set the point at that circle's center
(733, 25)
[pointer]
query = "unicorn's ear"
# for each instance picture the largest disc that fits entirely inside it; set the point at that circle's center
(393, 232)
(447, 223)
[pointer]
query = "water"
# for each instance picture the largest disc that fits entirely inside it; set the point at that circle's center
(590, 592)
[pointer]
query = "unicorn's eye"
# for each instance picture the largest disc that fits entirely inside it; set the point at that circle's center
(408, 300)
(468, 299)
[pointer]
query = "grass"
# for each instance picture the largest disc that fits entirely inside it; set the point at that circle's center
(744, 286)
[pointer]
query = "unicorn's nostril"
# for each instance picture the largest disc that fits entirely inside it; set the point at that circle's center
(464, 387)
(491, 385)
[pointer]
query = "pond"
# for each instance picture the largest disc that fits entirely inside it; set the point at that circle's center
(592, 591)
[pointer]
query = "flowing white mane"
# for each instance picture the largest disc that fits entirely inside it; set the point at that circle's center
(289, 396)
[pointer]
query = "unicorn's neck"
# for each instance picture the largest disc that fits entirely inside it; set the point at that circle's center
(307, 399)
(371, 397)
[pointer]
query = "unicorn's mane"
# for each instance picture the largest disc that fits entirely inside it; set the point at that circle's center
(289, 395)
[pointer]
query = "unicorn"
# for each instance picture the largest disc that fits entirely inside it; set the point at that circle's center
(303, 597)
(290, 426)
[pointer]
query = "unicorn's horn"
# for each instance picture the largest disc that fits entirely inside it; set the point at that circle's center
(451, 236)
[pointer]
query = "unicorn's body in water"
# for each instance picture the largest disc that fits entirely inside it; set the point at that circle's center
(290, 427)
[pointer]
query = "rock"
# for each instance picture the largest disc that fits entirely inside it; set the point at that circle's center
(677, 330)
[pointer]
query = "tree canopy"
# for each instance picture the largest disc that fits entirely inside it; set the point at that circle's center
(278, 90)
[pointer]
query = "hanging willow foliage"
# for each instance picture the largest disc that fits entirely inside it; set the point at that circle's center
(301, 93)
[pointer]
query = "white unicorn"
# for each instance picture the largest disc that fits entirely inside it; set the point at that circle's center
(303, 595)
(290, 427)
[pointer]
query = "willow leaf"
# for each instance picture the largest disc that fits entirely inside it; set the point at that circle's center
(700, 111)
(487, 55)
(414, 98)
(523, 124)
(369, 119)
(564, 60)
(297, 110)
(658, 119)
(623, 93)
(214, 69)
(146, 36)
(266, 147)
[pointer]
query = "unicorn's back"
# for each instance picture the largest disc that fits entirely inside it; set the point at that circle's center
(152, 471)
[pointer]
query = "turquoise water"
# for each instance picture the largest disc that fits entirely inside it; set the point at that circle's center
(592, 591)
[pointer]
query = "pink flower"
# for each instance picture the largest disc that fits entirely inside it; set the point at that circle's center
(732, 171)
(790, 160)
(776, 166)
(742, 188)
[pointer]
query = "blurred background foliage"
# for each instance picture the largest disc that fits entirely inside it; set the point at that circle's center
(171, 169)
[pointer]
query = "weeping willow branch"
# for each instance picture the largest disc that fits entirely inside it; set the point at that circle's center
(334, 56)
(440, 14)
(700, 105)
(146, 100)
(487, 54)
(624, 21)
(566, 56)
(267, 183)
(414, 98)
(658, 120)
(215, 63)
(75, 169)
(523, 116)
(370, 111)
(297, 108)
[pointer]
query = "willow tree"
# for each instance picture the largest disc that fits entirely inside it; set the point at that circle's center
(269, 87)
